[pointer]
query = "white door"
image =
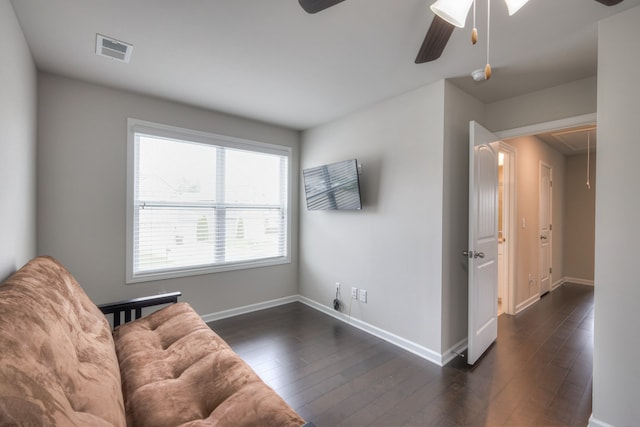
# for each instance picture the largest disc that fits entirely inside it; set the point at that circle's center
(545, 229)
(483, 241)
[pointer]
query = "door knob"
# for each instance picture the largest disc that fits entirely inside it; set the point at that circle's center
(478, 255)
(468, 254)
(543, 237)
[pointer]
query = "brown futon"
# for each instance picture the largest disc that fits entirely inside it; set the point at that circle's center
(62, 365)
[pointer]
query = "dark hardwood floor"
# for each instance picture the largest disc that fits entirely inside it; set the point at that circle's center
(538, 373)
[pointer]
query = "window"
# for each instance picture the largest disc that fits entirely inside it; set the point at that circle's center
(200, 203)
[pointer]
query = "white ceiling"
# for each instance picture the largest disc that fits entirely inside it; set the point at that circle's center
(271, 61)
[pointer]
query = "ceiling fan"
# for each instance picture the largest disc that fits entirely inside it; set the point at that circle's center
(441, 26)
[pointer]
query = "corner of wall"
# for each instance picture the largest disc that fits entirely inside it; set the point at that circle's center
(18, 113)
(459, 109)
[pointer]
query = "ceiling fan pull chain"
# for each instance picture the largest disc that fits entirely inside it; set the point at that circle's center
(474, 31)
(487, 68)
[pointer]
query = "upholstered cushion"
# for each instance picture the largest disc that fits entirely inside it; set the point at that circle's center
(57, 362)
(177, 371)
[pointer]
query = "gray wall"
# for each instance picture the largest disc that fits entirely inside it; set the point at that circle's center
(546, 105)
(393, 247)
(82, 184)
(405, 247)
(580, 211)
(18, 97)
(616, 377)
(414, 151)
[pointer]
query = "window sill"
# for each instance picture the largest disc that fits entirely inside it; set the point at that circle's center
(186, 272)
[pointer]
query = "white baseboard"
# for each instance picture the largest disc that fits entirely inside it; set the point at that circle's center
(394, 339)
(579, 281)
(557, 284)
(410, 346)
(526, 304)
(249, 308)
(594, 422)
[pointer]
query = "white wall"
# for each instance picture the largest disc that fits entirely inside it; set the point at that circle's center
(81, 193)
(459, 109)
(393, 247)
(546, 105)
(580, 212)
(18, 85)
(616, 375)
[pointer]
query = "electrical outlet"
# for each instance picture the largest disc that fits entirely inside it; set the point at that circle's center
(363, 295)
(354, 293)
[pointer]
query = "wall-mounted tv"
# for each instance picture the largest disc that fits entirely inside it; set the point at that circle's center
(333, 187)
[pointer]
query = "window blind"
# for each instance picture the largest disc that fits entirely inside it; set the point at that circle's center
(205, 206)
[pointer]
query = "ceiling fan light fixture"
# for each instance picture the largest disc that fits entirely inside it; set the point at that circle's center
(453, 11)
(478, 75)
(514, 5)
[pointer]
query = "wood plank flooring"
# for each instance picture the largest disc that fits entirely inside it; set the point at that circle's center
(538, 373)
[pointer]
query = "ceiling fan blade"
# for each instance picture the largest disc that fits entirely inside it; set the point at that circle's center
(609, 2)
(435, 41)
(314, 6)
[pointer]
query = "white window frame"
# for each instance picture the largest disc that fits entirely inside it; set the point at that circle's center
(165, 131)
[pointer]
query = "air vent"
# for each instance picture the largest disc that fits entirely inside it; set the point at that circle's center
(112, 48)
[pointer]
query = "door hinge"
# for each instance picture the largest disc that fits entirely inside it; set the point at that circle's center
(550, 183)
(550, 270)
(550, 227)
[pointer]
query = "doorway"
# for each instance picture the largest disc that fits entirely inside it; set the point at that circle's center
(506, 227)
(535, 273)
(544, 224)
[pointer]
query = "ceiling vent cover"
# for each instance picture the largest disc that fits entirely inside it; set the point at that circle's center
(112, 48)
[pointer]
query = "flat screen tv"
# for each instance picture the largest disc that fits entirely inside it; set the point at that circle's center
(333, 187)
